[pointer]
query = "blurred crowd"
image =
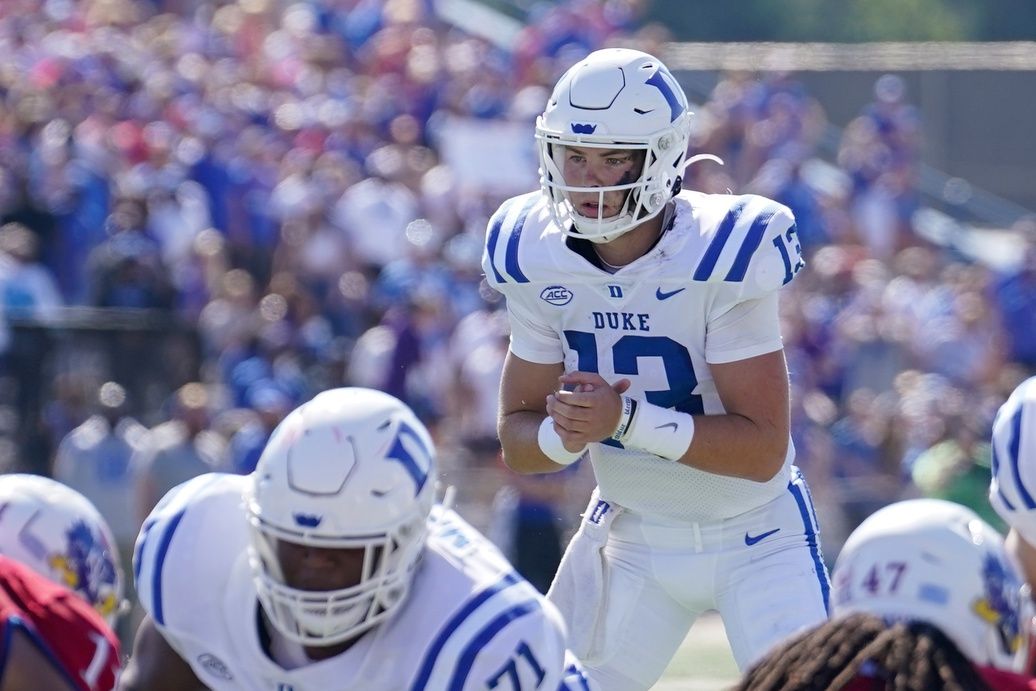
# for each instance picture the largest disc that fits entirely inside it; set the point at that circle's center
(274, 174)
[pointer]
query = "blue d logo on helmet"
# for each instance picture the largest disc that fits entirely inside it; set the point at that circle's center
(409, 448)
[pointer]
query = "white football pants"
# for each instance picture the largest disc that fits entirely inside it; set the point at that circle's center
(630, 586)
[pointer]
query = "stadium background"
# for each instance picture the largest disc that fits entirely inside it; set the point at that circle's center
(261, 199)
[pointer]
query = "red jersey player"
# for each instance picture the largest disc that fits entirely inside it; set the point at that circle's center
(60, 589)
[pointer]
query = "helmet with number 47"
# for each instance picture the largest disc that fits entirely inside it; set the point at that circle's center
(338, 508)
(616, 100)
(937, 562)
(60, 534)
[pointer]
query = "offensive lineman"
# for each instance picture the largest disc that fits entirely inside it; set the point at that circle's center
(644, 331)
(329, 568)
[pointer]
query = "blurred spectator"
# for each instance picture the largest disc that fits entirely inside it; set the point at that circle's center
(957, 467)
(1015, 297)
(179, 449)
(95, 459)
(528, 518)
(269, 405)
(27, 287)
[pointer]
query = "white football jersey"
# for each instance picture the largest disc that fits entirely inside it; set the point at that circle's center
(1012, 491)
(470, 622)
(658, 321)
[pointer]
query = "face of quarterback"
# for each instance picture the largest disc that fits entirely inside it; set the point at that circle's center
(319, 569)
(594, 167)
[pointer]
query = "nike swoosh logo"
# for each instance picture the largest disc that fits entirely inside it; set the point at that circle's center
(752, 539)
(662, 295)
(668, 424)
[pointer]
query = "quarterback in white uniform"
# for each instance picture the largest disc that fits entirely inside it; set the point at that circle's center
(1012, 491)
(645, 332)
(328, 568)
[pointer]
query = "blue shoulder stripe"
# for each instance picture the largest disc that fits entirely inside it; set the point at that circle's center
(475, 645)
(494, 237)
(1012, 457)
(708, 262)
(434, 650)
(996, 486)
(750, 245)
(511, 257)
(156, 577)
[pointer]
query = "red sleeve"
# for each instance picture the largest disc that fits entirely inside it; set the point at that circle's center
(63, 625)
(1007, 681)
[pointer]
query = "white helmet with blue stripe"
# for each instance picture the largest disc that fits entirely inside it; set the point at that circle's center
(937, 562)
(615, 99)
(353, 469)
(1012, 490)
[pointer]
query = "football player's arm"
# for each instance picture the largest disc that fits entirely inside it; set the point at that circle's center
(524, 387)
(751, 439)
(28, 668)
(155, 666)
(1025, 553)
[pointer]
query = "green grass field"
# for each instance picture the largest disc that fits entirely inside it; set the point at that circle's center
(704, 662)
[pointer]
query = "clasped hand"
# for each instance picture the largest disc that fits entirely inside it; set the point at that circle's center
(585, 408)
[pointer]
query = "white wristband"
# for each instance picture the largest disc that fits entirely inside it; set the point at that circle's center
(552, 446)
(661, 431)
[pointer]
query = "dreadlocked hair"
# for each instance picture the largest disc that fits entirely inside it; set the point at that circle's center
(906, 656)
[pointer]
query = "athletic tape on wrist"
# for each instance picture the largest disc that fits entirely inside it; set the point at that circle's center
(661, 431)
(552, 446)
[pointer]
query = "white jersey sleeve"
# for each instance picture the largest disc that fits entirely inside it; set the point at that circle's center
(753, 249)
(179, 582)
(532, 338)
(1012, 490)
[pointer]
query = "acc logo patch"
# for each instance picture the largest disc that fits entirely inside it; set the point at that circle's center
(213, 664)
(556, 295)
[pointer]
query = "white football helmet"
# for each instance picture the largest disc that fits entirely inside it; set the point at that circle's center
(615, 99)
(60, 534)
(935, 561)
(351, 469)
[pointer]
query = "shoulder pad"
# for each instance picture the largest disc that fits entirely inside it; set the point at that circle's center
(502, 260)
(1012, 489)
(749, 240)
(187, 546)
